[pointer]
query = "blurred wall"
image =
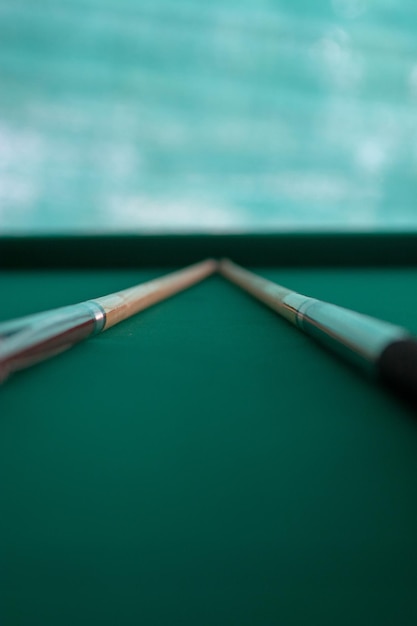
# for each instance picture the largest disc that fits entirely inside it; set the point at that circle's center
(143, 115)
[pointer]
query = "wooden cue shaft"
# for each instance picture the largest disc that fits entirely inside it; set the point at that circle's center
(28, 340)
(383, 350)
(123, 304)
(269, 293)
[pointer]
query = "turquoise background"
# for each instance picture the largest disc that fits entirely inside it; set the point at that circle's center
(142, 116)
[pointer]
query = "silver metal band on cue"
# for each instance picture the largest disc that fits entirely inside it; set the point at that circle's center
(361, 339)
(37, 337)
(34, 338)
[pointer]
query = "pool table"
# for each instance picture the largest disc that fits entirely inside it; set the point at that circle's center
(204, 463)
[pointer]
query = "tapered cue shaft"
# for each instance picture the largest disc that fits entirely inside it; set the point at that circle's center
(34, 338)
(386, 351)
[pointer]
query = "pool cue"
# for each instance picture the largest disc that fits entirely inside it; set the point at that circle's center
(383, 350)
(28, 340)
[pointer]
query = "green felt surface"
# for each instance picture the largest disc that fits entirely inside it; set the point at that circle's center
(206, 463)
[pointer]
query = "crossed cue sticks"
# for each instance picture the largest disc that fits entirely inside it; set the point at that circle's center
(386, 352)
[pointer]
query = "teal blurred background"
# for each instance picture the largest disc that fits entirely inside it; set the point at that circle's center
(153, 115)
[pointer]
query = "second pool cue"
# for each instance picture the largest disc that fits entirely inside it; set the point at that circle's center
(28, 340)
(386, 351)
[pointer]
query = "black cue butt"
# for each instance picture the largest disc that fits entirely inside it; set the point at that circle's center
(397, 367)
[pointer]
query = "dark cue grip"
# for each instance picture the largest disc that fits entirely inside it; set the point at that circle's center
(397, 367)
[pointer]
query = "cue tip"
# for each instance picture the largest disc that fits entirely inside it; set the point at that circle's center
(213, 262)
(224, 264)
